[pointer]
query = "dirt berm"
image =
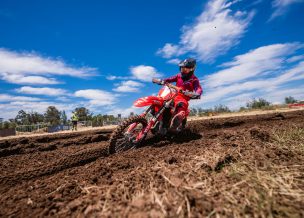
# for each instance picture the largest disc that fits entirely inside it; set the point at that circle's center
(232, 167)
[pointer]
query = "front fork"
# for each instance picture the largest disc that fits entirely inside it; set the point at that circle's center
(133, 126)
(151, 123)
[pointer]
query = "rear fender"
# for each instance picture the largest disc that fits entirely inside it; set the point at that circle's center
(150, 100)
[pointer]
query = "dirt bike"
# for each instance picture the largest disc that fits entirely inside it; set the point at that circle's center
(155, 119)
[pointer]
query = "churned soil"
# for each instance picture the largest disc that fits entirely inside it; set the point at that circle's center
(233, 167)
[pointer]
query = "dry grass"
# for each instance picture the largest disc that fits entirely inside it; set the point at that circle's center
(266, 192)
(271, 190)
(291, 139)
(219, 183)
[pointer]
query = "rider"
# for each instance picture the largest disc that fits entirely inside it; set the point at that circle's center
(187, 81)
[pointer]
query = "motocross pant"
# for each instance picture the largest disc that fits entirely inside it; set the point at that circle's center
(180, 104)
(180, 107)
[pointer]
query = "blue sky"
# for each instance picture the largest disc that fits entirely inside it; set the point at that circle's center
(103, 54)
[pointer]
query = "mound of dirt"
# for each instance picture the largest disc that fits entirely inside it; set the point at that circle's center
(261, 134)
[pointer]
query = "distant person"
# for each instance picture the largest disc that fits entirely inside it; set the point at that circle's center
(74, 121)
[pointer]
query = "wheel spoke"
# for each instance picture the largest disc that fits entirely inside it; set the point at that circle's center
(121, 144)
(128, 138)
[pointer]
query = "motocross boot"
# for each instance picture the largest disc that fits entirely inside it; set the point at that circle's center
(159, 128)
(155, 128)
(177, 121)
(162, 130)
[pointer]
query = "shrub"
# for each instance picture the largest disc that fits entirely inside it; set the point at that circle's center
(221, 109)
(290, 100)
(258, 104)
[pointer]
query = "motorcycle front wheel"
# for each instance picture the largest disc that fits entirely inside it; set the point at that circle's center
(128, 135)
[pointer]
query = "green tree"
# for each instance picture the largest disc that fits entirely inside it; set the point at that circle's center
(221, 109)
(258, 104)
(35, 117)
(6, 125)
(22, 118)
(52, 115)
(242, 109)
(83, 113)
(110, 117)
(290, 100)
(200, 111)
(193, 111)
(12, 124)
(97, 120)
(63, 118)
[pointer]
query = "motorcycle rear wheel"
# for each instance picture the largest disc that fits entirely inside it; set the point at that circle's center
(122, 140)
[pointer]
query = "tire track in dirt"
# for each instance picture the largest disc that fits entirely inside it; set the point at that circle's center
(75, 160)
(84, 157)
(25, 146)
(191, 133)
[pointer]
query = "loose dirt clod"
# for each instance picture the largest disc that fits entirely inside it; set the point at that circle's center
(260, 134)
(171, 160)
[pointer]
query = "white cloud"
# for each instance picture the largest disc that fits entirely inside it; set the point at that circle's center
(117, 77)
(64, 99)
(279, 95)
(295, 58)
(213, 33)
(281, 7)
(128, 86)
(295, 73)
(41, 91)
(8, 98)
(141, 72)
(258, 62)
(276, 96)
(170, 50)
(125, 112)
(174, 61)
(144, 73)
(31, 80)
(261, 72)
(31, 68)
(10, 110)
(97, 97)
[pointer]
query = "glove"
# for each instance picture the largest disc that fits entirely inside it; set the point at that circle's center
(192, 95)
(196, 96)
(158, 81)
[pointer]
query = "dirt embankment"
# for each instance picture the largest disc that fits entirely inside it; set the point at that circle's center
(250, 165)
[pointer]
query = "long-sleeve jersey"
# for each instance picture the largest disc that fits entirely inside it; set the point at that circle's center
(192, 84)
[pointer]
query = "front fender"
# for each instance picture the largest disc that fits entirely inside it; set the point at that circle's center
(147, 101)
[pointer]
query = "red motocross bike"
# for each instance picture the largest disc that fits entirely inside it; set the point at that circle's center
(157, 119)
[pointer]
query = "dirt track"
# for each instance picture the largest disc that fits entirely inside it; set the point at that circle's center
(215, 167)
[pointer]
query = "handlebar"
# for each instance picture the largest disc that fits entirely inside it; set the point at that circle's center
(161, 82)
(174, 87)
(178, 89)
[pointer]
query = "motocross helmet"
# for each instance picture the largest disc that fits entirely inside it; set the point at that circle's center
(187, 63)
